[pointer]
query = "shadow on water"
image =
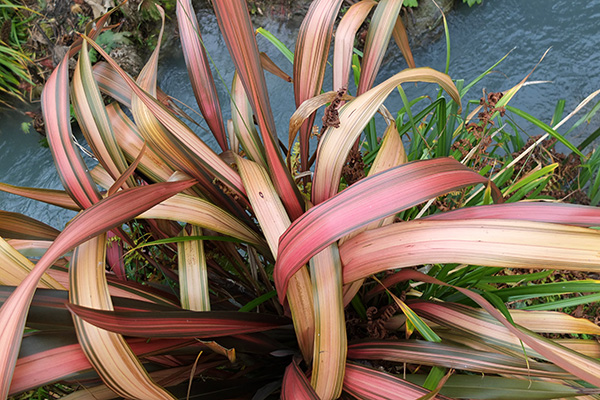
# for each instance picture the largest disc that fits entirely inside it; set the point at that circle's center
(479, 36)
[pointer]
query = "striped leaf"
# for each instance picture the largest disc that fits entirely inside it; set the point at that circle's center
(493, 243)
(70, 166)
(243, 124)
(330, 326)
(379, 34)
(205, 214)
(53, 363)
(104, 215)
(89, 108)
(14, 268)
(335, 143)
(48, 309)
(30, 248)
(108, 352)
(18, 226)
(554, 322)
(390, 155)
(500, 388)
(344, 41)
(131, 142)
(274, 220)
(179, 324)
(295, 386)
(58, 198)
(558, 213)
(366, 383)
(370, 199)
(310, 60)
(452, 356)
(580, 365)
(193, 274)
(111, 83)
(173, 140)
(199, 71)
(236, 27)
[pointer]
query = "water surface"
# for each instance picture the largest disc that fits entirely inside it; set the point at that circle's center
(479, 36)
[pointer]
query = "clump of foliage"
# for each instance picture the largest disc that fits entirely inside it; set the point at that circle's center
(14, 61)
(358, 269)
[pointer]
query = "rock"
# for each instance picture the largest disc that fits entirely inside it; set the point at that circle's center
(424, 23)
(128, 57)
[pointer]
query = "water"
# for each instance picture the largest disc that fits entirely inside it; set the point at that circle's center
(24, 162)
(479, 36)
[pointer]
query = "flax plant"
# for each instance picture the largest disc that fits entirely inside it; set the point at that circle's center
(271, 259)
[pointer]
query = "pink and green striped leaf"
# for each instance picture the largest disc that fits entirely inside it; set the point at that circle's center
(295, 386)
(354, 116)
(108, 352)
(199, 71)
(173, 141)
(18, 226)
(93, 119)
(344, 41)
(369, 384)
(70, 166)
(179, 324)
(580, 365)
(493, 243)
(330, 325)
(14, 268)
(111, 83)
(58, 198)
(558, 213)
(310, 60)
(236, 27)
(48, 309)
(54, 363)
(131, 142)
(378, 37)
(501, 388)
(369, 200)
(452, 356)
(106, 214)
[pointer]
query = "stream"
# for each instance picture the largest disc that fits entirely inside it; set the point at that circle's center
(479, 37)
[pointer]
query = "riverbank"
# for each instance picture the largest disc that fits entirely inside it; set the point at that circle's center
(43, 32)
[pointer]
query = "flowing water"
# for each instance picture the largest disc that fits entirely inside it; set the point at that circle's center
(479, 37)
